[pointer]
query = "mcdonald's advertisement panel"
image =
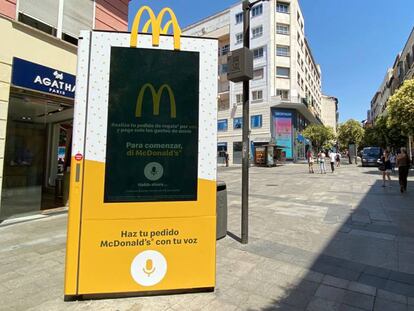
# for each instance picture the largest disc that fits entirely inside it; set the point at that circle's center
(158, 136)
(142, 211)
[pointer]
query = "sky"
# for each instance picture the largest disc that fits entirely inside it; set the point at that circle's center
(353, 41)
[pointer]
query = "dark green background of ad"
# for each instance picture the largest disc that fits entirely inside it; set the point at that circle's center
(130, 70)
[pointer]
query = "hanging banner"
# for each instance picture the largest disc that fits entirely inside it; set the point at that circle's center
(142, 216)
(282, 125)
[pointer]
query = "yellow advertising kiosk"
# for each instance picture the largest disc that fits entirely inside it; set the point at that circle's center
(142, 216)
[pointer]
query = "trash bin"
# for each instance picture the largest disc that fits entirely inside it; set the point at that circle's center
(221, 228)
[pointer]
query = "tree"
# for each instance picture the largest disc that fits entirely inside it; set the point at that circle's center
(319, 135)
(381, 135)
(400, 108)
(350, 132)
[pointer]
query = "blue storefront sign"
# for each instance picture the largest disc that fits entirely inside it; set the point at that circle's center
(43, 79)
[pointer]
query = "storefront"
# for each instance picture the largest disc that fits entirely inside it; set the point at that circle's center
(287, 126)
(37, 90)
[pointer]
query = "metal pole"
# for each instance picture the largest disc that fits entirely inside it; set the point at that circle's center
(246, 130)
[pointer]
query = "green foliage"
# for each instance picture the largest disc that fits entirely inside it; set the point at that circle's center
(381, 135)
(350, 132)
(319, 135)
(401, 108)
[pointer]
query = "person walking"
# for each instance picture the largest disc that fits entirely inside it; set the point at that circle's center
(338, 159)
(332, 156)
(393, 160)
(385, 167)
(311, 160)
(321, 159)
(403, 164)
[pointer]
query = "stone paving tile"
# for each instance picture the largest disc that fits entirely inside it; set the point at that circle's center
(345, 307)
(391, 296)
(358, 300)
(320, 304)
(387, 305)
(335, 282)
(362, 288)
(330, 293)
(372, 280)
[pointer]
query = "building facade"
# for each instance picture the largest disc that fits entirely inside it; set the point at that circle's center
(330, 114)
(402, 69)
(286, 88)
(37, 86)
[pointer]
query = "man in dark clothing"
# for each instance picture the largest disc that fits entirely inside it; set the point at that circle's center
(403, 164)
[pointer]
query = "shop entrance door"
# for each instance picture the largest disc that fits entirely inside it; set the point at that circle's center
(27, 159)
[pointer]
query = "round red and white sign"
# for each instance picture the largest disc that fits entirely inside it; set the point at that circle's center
(78, 157)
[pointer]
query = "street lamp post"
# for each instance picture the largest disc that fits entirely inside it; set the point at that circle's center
(246, 127)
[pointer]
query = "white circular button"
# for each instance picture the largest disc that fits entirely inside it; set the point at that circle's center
(148, 268)
(153, 171)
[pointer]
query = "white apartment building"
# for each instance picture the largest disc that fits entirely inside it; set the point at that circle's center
(330, 114)
(286, 89)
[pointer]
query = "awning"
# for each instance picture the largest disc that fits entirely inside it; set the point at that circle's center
(276, 102)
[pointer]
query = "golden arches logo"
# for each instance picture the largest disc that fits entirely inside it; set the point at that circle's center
(156, 24)
(156, 99)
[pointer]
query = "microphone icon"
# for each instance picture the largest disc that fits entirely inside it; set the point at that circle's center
(154, 170)
(149, 267)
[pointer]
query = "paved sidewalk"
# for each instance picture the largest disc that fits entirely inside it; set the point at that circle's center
(317, 242)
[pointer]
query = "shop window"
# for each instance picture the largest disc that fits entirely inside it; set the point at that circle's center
(237, 152)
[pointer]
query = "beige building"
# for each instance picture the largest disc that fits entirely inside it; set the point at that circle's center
(286, 91)
(402, 69)
(330, 114)
(37, 87)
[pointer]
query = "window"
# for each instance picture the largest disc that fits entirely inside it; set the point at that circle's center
(256, 121)
(224, 68)
(239, 38)
(239, 18)
(225, 49)
(257, 10)
(282, 29)
(257, 32)
(283, 72)
(258, 74)
(284, 94)
(222, 125)
(282, 7)
(257, 95)
(258, 53)
(37, 24)
(239, 99)
(282, 50)
(237, 123)
(65, 22)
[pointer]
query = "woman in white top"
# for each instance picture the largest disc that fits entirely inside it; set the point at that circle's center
(321, 158)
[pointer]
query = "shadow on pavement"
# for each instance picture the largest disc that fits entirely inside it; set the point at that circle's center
(368, 264)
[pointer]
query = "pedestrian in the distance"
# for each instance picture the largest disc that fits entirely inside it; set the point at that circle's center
(226, 158)
(311, 160)
(403, 164)
(393, 160)
(338, 159)
(385, 167)
(332, 156)
(348, 154)
(321, 159)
